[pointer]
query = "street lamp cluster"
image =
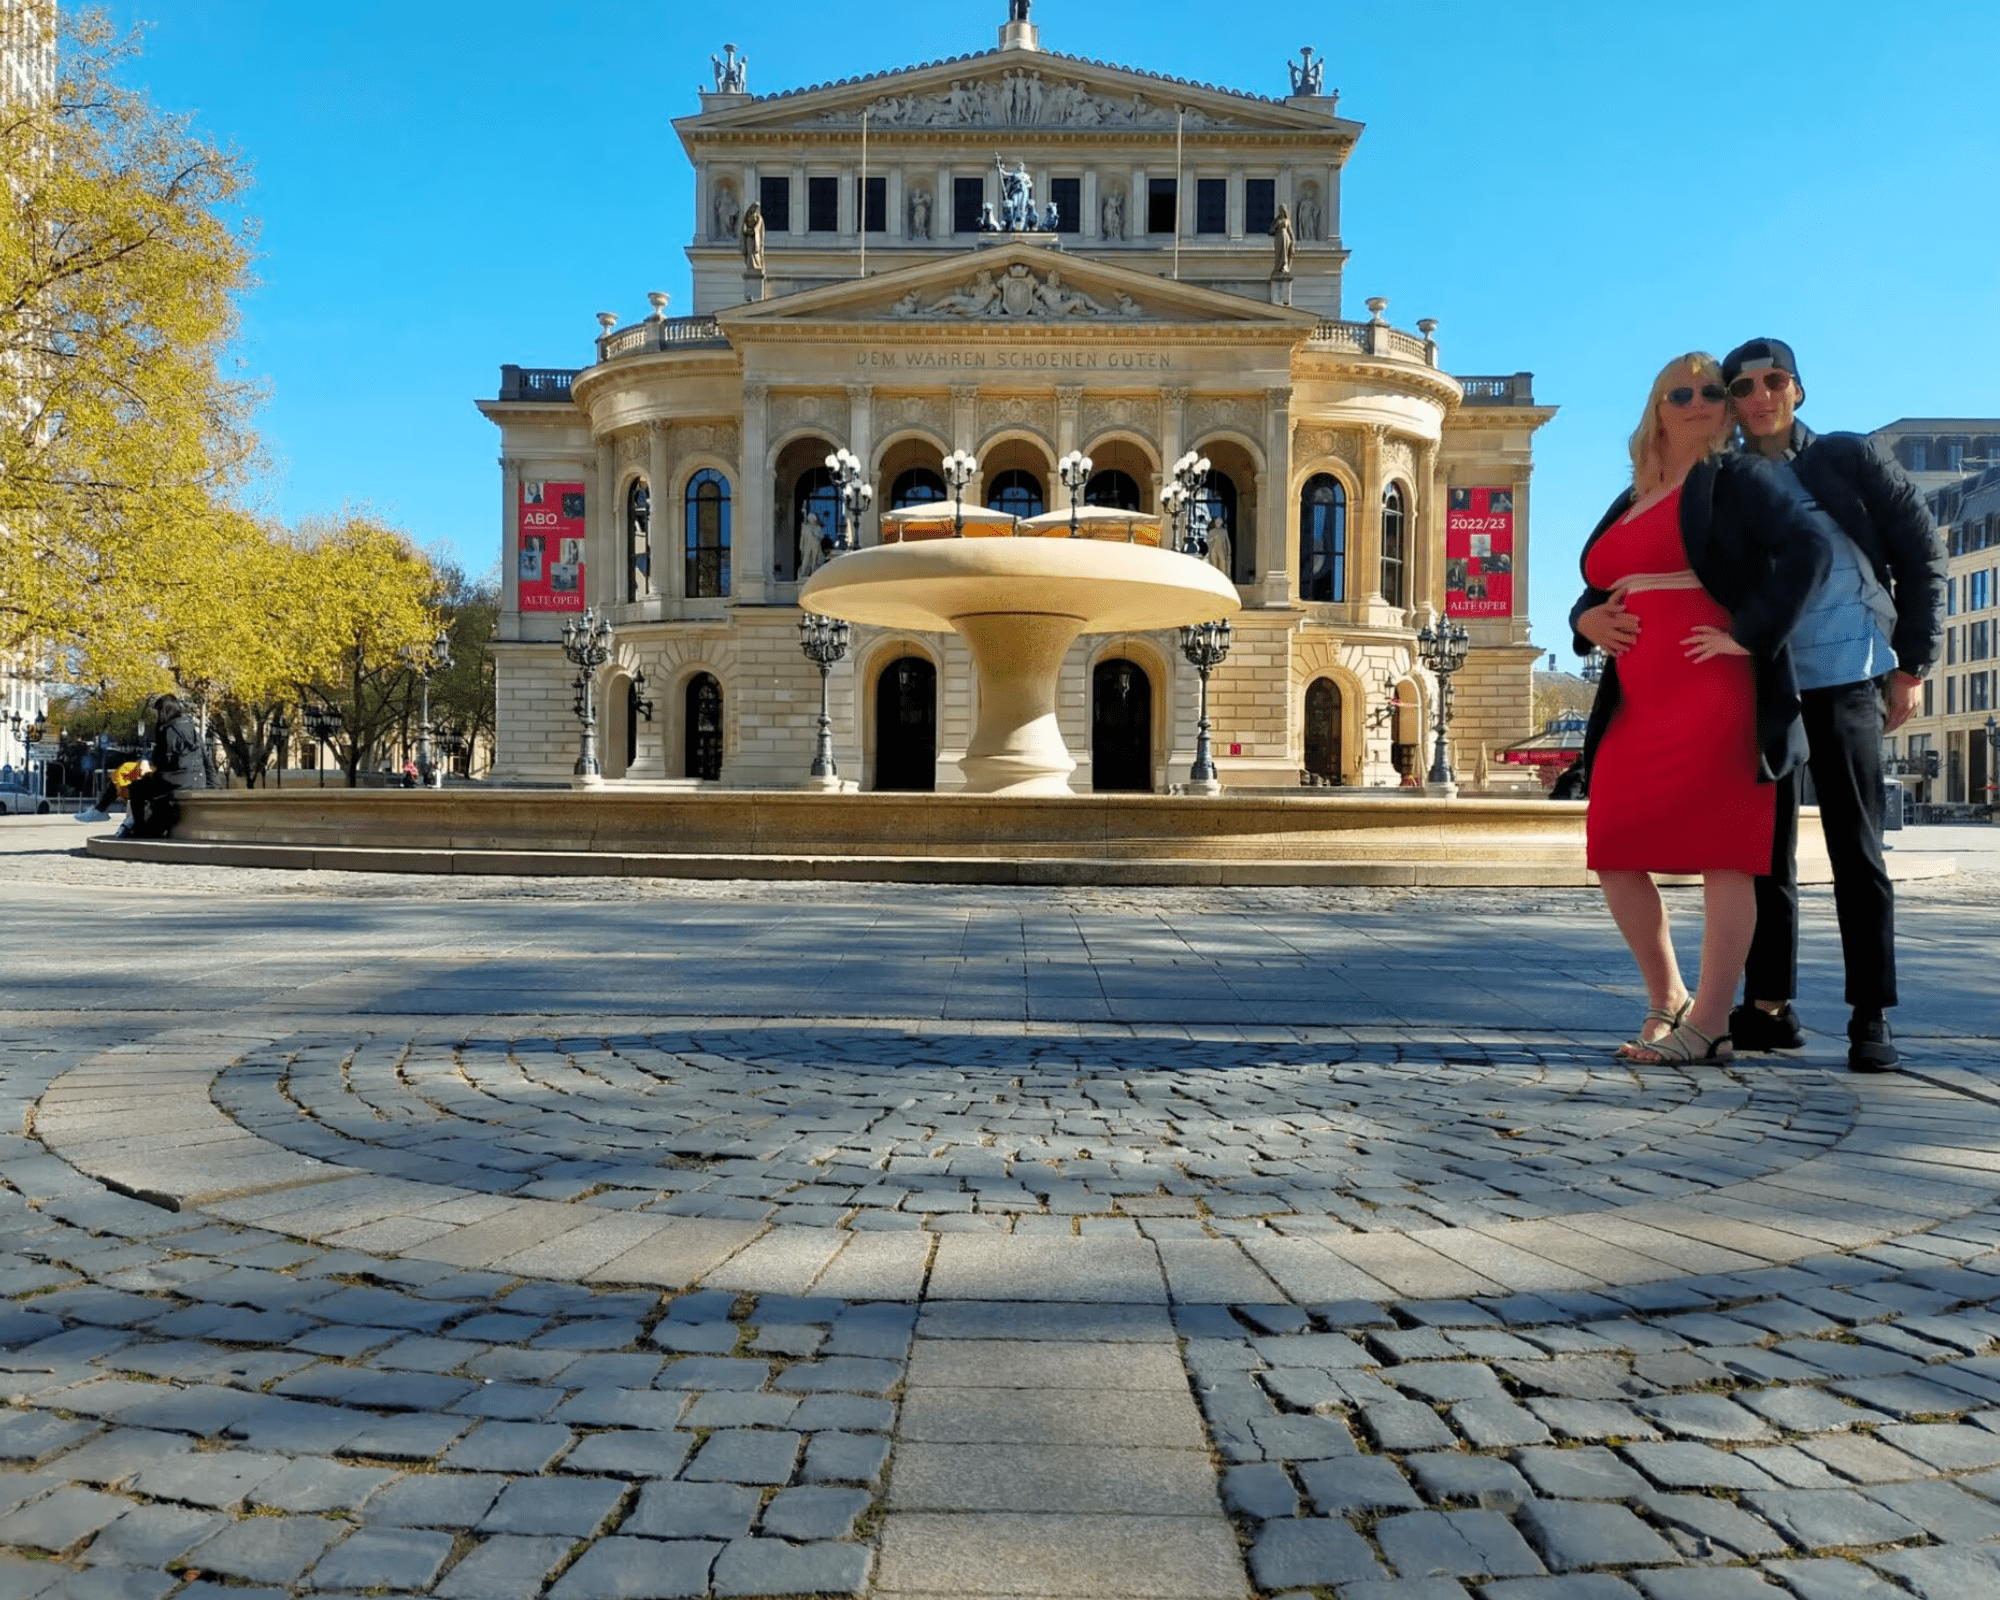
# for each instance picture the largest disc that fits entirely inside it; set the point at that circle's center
(824, 641)
(1074, 470)
(586, 642)
(855, 496)
(1443, 648)
(1186, 500)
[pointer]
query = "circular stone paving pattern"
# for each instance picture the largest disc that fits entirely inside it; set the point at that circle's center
(826, 1126)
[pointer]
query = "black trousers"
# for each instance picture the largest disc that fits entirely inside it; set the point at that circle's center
(1844, 729)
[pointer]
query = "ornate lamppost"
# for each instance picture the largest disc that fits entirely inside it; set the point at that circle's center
(586, 641)
(1443, 649)
(1205, 644)
(281, 726)
(1184, 497)
(958, 470)
(435, 659)
(824, 641)
(856, 495)
(1074, 470)
(322, 723)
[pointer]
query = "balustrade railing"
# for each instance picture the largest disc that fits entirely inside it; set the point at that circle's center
(547, 384)
(1515, 390)
(659, 333)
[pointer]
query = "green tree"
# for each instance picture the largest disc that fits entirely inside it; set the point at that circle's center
(122, 254)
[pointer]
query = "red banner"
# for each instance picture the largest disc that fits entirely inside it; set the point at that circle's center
(1479, 553)
(551, 553)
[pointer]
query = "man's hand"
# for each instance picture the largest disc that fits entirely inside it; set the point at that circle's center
(1901, 695)
(1609, 626)
(1707, 642)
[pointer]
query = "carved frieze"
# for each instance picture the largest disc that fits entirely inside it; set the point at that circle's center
(930, 411)
(631, 449)
(1398, 461)
(1017, 292)
(1311, 444)
(1000, 411)
(788, 411)
(707, 439)
(1212, 413)
(1117, 414)
(1020, 99)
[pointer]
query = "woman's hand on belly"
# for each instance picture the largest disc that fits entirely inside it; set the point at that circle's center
(1609, 626)
(1705, 643)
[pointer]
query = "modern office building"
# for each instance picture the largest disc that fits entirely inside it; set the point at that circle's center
(1015, 254)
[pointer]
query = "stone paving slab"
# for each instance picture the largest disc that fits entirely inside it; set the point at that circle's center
(1168, 1280)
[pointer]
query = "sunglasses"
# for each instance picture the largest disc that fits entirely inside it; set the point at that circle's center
(1774, 380)
(1684, 395)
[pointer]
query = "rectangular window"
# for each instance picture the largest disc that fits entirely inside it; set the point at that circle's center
(1929, 706)
(1260, 204)
(775, 196)
(1979, 590)
(968, 196)
(1211, 205)
(873, 206)
(1975, 692)
(1067, 193)
(1978, 640)
(1160, 205)
(822, 205)
(1951, 647)
(1950, 697)
(1951, 595)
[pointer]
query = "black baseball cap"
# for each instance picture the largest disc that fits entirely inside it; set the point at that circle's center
(1758, 354)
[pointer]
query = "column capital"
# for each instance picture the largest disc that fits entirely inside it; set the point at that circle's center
(963, 394)
(756, 393)
(861, 391)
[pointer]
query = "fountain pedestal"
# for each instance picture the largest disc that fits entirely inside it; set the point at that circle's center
(1019, 604)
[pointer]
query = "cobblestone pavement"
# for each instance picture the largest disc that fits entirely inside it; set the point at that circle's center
(511, 1238)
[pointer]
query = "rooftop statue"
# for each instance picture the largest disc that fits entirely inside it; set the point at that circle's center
(732, 72)
(1308, 75)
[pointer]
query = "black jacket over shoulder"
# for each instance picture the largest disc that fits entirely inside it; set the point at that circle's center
(1884, 514)
(1760, 548)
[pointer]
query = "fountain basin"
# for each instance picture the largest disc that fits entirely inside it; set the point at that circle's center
(1019, 604)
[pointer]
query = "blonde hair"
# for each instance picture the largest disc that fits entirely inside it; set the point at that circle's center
(1646, 438)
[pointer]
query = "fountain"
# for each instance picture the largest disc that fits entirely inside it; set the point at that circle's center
(1020, 601)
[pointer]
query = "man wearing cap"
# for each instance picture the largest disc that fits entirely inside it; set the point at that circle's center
(1869, 633)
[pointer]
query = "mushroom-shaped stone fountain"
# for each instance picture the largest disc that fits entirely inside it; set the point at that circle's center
(1019, 603)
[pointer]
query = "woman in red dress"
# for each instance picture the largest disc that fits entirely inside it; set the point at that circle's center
(1695, 578)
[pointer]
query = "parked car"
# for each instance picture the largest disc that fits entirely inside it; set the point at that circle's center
(15, 800)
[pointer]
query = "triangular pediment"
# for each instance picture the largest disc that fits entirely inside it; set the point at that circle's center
(1016, 90)
(1024, 286)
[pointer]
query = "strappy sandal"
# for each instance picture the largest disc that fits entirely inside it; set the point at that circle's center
(1673, 1047)
(1673, 1019)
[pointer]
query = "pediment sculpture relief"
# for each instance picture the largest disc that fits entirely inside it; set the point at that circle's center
(1020, 100)
(1020, 291)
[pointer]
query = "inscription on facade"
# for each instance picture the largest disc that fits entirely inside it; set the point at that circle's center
(1020, 360)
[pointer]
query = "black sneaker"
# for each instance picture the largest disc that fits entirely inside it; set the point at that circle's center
(1754, 1028)
(1868, 1045)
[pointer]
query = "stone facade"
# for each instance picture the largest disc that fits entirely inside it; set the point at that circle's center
(1160, 317)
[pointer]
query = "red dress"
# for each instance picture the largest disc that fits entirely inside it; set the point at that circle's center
(1674, 784)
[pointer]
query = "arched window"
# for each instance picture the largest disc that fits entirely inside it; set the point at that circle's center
(918, 487)
(1017, 493)
(815, 497)
(1118, 490)
(1394, 520)
(1323, 539)
(707, 575)
(638, 540)
(701, 742)
(1220, 504)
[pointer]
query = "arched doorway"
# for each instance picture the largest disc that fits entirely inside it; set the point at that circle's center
(702, 734)
(1121, 728)
(1323, 730)
(906, 726)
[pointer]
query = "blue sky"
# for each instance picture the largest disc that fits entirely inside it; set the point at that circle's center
(1580, 190)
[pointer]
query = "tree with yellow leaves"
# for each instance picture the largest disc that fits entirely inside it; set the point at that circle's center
(120, 262)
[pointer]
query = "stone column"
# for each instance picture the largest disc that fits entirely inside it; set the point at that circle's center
(1365, 552)
(750, 561)
(1274, 501)
(1237, 205)
(861, 440)
(510, 547)
(1173, 440)
(799, 206)
(1089, 222)
(1519, 630)
(897, 205)
(665, 576)
(964, 430)
(1069, 401)
(1427, 527)
(603, 546)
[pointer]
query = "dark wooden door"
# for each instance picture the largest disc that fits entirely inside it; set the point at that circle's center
(703, 744)
(1121, 728)
(1323, 729)
(906, 726)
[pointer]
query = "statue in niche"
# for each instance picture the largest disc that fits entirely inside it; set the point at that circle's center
(727, 214)
(753, 238)
(920, 214)
(1309, 217)
(1221, 554)
(1283, 242)
(1017, 198)
(1114, 215)
(1308, 75)
(812, 544)
(732, 75)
